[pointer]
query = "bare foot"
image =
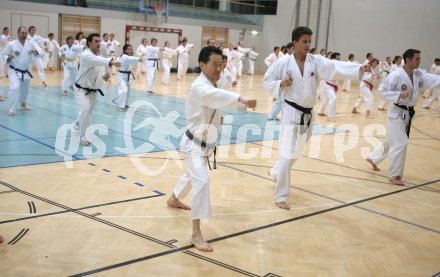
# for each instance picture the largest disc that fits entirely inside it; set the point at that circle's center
(174, 202)
(65, 93)
(283, 205)
(11, 114)
(354, 111)
(85, 143)
(375, 168)
(201, 244)
(121, 109)
(397, 181)
(2, 239)
(331, 119)
(2, 98)
(44, 83)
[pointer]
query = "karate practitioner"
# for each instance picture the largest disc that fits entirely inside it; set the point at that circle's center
(436, 93)
(295, 77)
(152, 64)
(91, 72)
(80, 39)
(369, 58)
(105, 49)
(385, 68)
(346, 86)
(401, 88)
(278, 100)
(433, 69)
(68, 53)
(167, 61)
(243, 52)
(18, 55)
(37, 60)
(4, 40)
(141, 52)
(114, 44)
(233, 60)
(328, 94)
(273, 57)
(252, 59)
(125, 77)
(203, 122)
(225, 76)
(51, 45)
(182, 59)
(366, 88)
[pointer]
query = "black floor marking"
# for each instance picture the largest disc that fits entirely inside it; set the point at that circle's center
(180, 249)
(32, 208)
(95, 214)
(79, 209)
(171, 241)
(6, 191)
(19, 236)
(271, 275)
(113, 225)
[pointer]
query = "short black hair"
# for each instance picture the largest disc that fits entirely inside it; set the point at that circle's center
(50, 35)
(6, 28)
(153, 39)
(396, 58)
(409, 54)
(298, 32)
(334, 55)
(207, 51)
(90, 38)
(125, 47)
(30, 28)
(105, 34)
(275, 48)
(351, 56)
(283, 47)
(437, 60)
(69, 37)
(224, 57)
(369, 55)
(19, 29)
(290, 45)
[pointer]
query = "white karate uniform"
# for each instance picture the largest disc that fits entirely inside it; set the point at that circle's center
(366, 94)
(182, 60)
(272, 58)
(125, 79)
(104, 50)
(51, 46)
(435, 94)
(19, 82)
(167, 62)
(303, 93)
(113, 45)
(346, 86)
(233, 61)
(70, 66)
(38, 60)
(386, 70)
(90, 75)
(252, 59)
(396, 140)
(243, 52)
(152, 65)
(141, 52)
(329, 95)
(225, 79)
(202, 114)
(4, 40)
(433, 69)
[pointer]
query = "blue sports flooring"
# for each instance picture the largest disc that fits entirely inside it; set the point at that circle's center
(158, 125)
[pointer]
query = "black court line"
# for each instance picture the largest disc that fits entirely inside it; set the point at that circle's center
(6, 191)
(180, 249)
(343, 202)
(308, 171)
(18, 237)
(163, 243)
(82, 208)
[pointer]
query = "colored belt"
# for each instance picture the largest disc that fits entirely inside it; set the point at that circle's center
(332, 85)
(370, 85)
(129, 73)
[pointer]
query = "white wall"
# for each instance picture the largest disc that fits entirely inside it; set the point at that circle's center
(386, 28)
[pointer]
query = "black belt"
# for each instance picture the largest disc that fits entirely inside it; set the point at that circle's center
(203, 144)
(303, 110)
(22, 72)
(89, 90)
(129, 74)
(155, 62)
(253, 59)
(412, 112)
